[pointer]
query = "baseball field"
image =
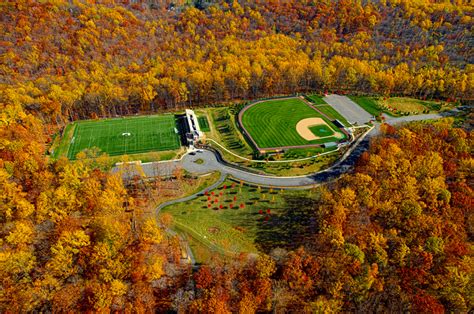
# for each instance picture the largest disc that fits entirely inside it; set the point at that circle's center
(125, 135)
(287, 122)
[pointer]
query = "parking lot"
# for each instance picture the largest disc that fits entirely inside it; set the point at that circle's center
(349, 109)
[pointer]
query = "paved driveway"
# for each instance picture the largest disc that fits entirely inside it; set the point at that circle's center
(349, 109)
(206, 161)
(210, 162)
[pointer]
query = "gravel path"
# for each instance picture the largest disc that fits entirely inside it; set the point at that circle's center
(193, 196)
(210, 163)
(192, 260)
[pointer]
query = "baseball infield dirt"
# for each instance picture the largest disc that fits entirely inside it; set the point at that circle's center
(302, 127)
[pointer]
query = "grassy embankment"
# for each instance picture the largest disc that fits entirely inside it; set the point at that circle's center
(251, 220)
(399, 106)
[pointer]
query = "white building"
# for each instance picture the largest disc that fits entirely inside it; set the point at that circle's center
(194, 132)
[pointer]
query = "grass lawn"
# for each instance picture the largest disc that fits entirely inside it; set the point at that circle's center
(333, 114)
(396, 106)
(268, 219)
(225, 132)
(404, 105)
(199, 161)
(321, 130)
(297, 168)
(315, 99)
(272, 123)
(368, 104)
(125, 135)
(61, 144)
(173, 189)
(296, 153)
(204, 124)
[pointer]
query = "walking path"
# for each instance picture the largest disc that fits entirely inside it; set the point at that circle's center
(271, 161)
(195, 195)
(213, 186)
(211, 163)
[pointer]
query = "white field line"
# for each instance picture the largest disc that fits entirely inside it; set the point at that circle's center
(272, 161)
(251, 160)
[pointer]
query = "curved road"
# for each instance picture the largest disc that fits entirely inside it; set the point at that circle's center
(211, 163)
(185, 199)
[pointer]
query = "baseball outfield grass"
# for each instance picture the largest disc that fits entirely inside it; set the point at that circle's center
(316, 99)
(124, 135)
(272, 123)
(333, 114)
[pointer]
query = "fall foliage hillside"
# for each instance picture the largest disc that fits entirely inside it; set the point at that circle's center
(69, 59)
(395, 235)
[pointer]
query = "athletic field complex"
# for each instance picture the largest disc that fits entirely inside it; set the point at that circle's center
(269, 125)
(125, 135)
(287, 123)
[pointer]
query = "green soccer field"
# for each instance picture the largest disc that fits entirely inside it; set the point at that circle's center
(272, 124)
(126, 135)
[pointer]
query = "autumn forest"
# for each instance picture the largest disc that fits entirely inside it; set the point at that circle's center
(393, 235)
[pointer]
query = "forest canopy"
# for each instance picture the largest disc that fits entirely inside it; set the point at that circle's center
(394, 235)
(69, 59)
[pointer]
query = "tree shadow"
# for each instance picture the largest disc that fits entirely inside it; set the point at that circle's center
(291, 227)
(181, 126)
